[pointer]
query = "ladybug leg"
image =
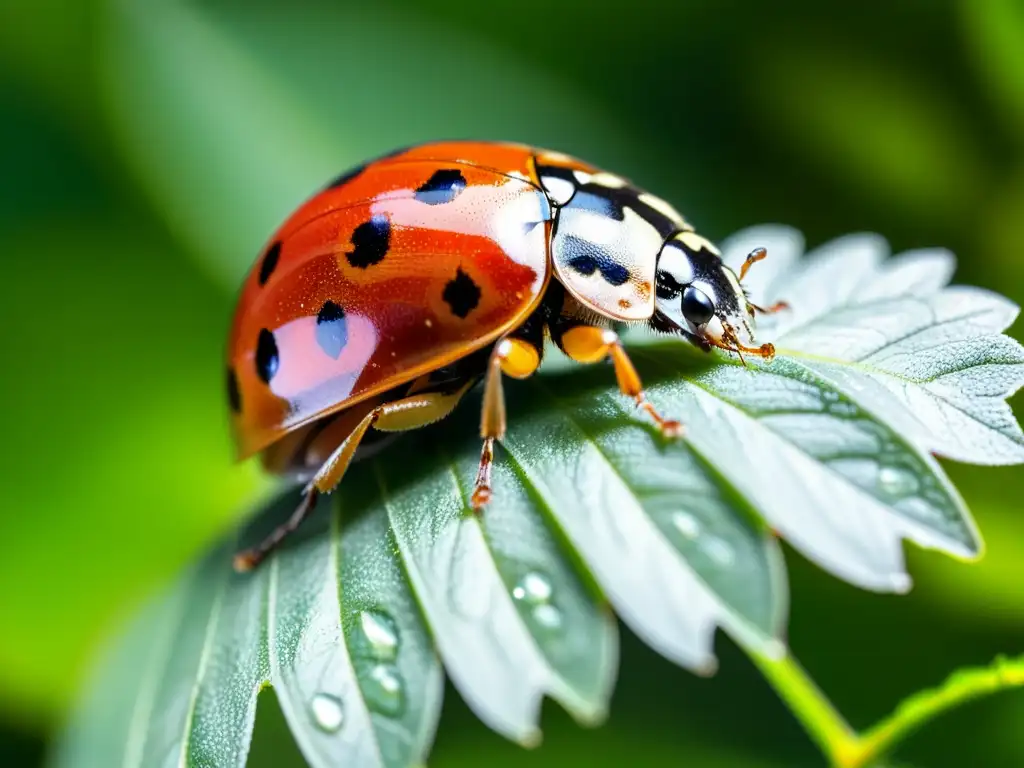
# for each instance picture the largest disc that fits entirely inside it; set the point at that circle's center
(515, 357)
(771, 310)
(396, 416)
(250, 558)
(590, 344)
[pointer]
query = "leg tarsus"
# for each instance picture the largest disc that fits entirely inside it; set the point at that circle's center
(730, 343)
(670, 428)
(776, 307)
(482, 487)
(399, 415)
(589, 344)
(250, 558)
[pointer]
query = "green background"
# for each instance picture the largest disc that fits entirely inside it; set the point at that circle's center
(148, 149)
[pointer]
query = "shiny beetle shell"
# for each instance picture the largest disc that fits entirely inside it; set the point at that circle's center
(415, 260)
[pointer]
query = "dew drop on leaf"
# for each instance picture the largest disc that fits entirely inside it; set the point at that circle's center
(719, 551)
(548, 616)
(384, 690)
(686, 524)
(328, 712)
(533, 589)
(381, 634)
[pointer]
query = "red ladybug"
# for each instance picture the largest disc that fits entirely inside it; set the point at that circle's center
(384, 298)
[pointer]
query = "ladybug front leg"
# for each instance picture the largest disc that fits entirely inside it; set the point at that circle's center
(590, 344)
(515, 357)
(400, 415)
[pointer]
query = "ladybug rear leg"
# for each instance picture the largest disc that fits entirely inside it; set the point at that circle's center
(590, 344)
(406, 413)
(513, 356)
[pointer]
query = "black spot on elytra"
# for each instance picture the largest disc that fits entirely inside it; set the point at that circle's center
(267, 359)
(331, 329)
(269, 263)
(443, 187)
(462, 294)
(370, 242)
(589, 259)
(344, 178)
(234, 394)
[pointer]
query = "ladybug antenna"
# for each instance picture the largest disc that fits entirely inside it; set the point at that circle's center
(756, 255)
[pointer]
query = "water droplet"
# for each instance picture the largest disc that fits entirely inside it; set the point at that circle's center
(719, 551)
(381, 634)
(384, 692)
(533, 589)
(328, 712)
(548, 616)
(686, 524)
(897, 482)
(536, 591)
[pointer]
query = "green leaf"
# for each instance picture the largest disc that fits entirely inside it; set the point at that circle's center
(395, 576)
(368, 686)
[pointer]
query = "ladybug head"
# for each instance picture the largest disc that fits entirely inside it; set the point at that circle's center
(699, 296)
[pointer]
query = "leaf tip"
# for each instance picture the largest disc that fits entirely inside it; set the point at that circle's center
(530, 739)
(593, 717)
(900, 583)
(706, 667)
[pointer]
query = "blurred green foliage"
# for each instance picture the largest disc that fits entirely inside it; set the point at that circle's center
(117, 152)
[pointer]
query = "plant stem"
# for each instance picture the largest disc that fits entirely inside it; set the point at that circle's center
(841, 745)
(822, 721)
(962, 686)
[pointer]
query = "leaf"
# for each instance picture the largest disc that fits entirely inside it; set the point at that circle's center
(932, 362)
(351, 620)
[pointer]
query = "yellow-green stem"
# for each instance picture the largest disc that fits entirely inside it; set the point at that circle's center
(820, 719)
(841, 745)
(962, 686)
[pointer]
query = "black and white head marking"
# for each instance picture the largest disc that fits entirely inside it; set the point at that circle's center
(606, 238)
(698, 293)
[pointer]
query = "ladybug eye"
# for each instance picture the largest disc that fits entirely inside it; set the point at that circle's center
(696, 306)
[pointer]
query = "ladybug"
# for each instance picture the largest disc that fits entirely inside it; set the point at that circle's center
(406, 281)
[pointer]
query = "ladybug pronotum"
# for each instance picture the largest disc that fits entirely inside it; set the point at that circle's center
(385, 297)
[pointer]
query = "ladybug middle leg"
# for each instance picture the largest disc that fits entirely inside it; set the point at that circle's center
(410, 412)
(591, 344)
(517, 356)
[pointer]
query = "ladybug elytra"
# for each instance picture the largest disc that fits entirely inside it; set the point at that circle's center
(388, 295)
